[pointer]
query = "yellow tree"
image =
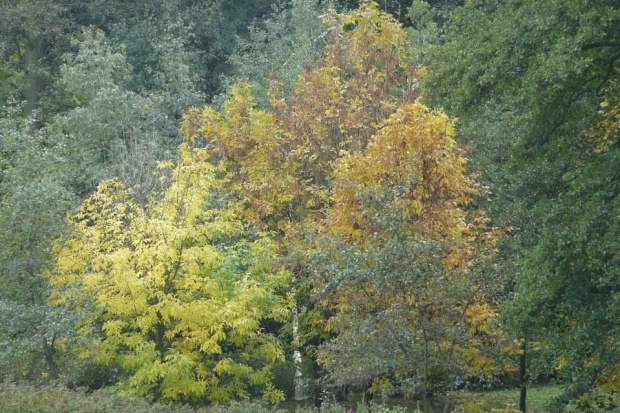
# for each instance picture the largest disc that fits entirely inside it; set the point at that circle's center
(172, 291)
(280, 162)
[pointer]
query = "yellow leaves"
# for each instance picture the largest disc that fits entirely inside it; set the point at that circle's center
(113, 329)
(607, 129)
(273, 395)
(477, 361)
(226, 365)
(480, 316)
(234, 132)
(379, 385)
(165, 165)
(561, 362)
(165, 291)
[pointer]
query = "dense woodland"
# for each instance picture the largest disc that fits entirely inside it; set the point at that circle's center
(204, 201)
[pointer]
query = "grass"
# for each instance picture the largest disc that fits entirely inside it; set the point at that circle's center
(57, 399)
(467, 402)
(507, 400)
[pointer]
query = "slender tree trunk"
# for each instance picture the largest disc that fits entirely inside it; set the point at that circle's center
(33, 82)
(299, 377)
(523, 376)
(428, 401)
(49, 352)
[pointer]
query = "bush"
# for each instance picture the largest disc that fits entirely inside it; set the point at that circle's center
(16, 398)
(22, 398)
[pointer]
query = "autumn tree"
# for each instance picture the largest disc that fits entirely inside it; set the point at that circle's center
(402, 264)
(280, 162)
(172, 292)
(351, 129)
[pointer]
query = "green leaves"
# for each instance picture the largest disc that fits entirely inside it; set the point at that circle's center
(570, 289)
(531, 83)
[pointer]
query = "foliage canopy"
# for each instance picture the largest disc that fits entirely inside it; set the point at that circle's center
(179, 297)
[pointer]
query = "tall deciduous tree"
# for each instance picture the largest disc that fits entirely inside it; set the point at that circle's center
(403, 269)
(351, 113)
(529, 82)
(280, 163)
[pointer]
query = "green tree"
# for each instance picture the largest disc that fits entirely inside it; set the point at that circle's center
(279, 46)
(204, 35)
(529, 81)
(32, 206)
(31, 39)
(108, 130)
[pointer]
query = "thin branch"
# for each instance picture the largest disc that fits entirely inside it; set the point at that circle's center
(596, 45)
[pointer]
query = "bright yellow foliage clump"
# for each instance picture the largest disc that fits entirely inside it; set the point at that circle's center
(171, 292)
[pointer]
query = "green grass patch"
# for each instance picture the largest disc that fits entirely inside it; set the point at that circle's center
(508, 400)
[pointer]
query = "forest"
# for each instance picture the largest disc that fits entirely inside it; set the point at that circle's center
(309, 205)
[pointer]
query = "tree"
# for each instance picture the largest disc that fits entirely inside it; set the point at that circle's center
(204, 34)
(174, 293)
(403, 269)
(279, 46)
(350, 109)
(32, 204)
(31, 34)
(280, 163)
(91, 109)
(108, 130)
(570, 287)
(529, 110)
(47, 168)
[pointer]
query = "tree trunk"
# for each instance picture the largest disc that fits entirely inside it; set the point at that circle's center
(428, 402)
(49, 352)
(34, 81)
(299, 377)
(523, 376)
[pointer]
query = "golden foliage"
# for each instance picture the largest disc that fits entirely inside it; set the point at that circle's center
(167, 287)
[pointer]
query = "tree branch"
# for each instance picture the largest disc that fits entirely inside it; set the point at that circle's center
(596, 45)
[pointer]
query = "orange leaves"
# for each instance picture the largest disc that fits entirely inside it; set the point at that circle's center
(374, 44)
(338, 105)
(412, 164)
(281, 163)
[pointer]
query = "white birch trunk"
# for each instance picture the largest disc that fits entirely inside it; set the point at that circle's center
(299, 378)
